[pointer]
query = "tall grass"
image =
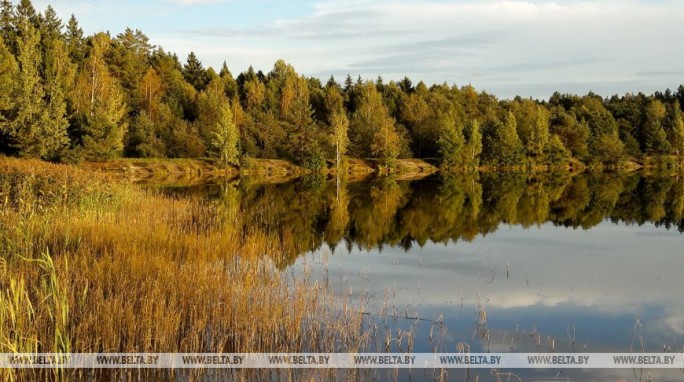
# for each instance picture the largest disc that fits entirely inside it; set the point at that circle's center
(89, 264)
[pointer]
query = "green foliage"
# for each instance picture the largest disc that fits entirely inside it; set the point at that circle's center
(473, 146)
(100, 106)
(372, 130)
(555, 152)
(8, 72)
(675, 129)
(451, 145)
(224, 143)
(653, 136)
(194, 73)
(503, 146)
(38, 126)
(66, 96)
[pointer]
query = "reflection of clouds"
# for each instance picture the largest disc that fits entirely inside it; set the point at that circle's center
(608, 271)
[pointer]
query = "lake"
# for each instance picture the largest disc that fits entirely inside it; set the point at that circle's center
(488, 262)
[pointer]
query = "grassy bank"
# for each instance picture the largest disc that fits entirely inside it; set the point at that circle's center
(90, 264)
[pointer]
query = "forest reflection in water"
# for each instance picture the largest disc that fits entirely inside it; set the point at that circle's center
(309, 212)
(489, 262)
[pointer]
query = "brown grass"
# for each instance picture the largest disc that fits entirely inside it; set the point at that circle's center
(92, 265)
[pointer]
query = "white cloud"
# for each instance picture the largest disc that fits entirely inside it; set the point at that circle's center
(509, 47)
(499, 46)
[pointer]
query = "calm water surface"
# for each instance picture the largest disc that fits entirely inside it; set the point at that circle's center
(491, 262)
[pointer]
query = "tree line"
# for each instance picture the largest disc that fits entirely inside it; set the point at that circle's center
(69, 97)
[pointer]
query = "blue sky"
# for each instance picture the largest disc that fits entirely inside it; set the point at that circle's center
(506, 47)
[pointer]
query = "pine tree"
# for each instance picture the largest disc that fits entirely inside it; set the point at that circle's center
(74, 40)
(194, 73)
(7, 25)
(58, 72)
(231, 86)
(34, 133)
(128, 59)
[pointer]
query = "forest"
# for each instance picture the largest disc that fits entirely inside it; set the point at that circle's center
(67, 97)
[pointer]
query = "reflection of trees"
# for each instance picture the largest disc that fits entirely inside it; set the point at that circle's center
(656, 199)
(338, 218)
(297, 217)
(372, 211)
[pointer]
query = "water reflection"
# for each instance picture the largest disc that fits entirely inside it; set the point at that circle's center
(309, 212)
(489, 262)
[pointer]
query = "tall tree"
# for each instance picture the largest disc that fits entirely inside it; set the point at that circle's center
(451, 144)
(415, 114)
(504, 147)
(473, 144)
(8, 72)
(604, 141)
(7, 26)
(539, 135)
(74, 40)
(338, 122)
(224, 143)
(128, 59)
(39, 128)
(675, 129)
(653, 136)
(194, 73)
(58, 70)
(100, 105)
(372, 131)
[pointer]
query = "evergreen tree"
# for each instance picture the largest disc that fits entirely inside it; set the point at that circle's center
(7, 26)
(194, 73)
(231, 86)
(58, 71)
(38, 128)
(128, 60)
(74, 40)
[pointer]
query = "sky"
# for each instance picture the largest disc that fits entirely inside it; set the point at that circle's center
(529, 48)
